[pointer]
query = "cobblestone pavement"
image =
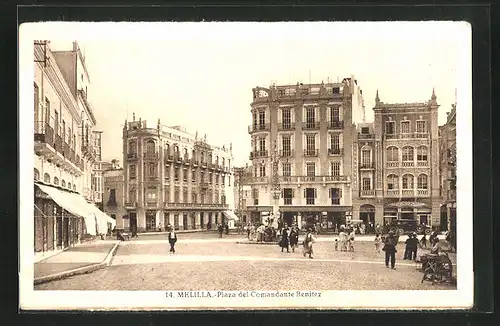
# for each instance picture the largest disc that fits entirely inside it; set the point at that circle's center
(224, 265)
(80, 256)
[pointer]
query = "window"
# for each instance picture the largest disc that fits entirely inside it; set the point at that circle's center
(262, 144)
(365, 130)
(193, 197)
(422, 154)
(366, 157)
(36, 174)
(334, 142)
(334, 113)
(36, 96)
(287, 194)
(311, 142)
(405, 127)
(210, 177)
(262, 118)
(64, 131)
(132, 147)
(151, 195)
(389, 127)
(286, 144)
(336, 90)
(185, 175)
(310, 117)
(310, 195)
(177, 196)
(56, 181)
(69, 136)
(47, 111)
(286, 118)
(392, 182)
(132, 171)
(311, 169)
(69, 185)
(63, 184)
(223, 180)
(193, 175)
(422, 181)
(254, 116)
(262, 170)
(167, 172)
(392, 154)
(56, 122)
(185, 195)
(421, 126)
(366, 184)
(176, 174)
(407, 181)
(335, 168)
(407, 154)
(287, 169)
(152, 169)
(132, 195)
(112, 197)
(335, 194)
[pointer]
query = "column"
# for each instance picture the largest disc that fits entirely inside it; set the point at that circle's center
(197, 224)
(379, 215)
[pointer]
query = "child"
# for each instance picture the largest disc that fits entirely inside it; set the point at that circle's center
(377, 242)
(336, 245)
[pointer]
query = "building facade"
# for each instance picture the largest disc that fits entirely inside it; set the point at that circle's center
(396, 164)
(114, 196)
(242, 192)
(97, 185)
(448, 171)
(301, 140)
(62, 216)
(175, 178)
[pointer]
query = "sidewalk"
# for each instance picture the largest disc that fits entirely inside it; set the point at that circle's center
(80, 259)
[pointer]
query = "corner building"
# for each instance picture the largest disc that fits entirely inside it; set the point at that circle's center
(301, 152)
(173, 177)
(396, 164)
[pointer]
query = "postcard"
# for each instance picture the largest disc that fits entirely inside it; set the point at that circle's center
(238, 165)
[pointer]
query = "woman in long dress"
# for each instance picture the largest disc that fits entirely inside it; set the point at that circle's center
(284, 242)
(308, 244)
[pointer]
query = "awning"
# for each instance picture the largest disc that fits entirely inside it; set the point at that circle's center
(230, 215)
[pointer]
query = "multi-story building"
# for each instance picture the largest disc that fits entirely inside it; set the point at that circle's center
(97, 185)
(396, 164)
(301, 152)
(114, 195)
(173, 177)
(242, 192)
(61, 215)
(448, 172)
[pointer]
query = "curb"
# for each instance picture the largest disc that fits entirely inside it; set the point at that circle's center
(274, 243)
(78, 271)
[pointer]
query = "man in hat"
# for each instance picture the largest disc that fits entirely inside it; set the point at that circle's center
(390, 249)
(413, 242)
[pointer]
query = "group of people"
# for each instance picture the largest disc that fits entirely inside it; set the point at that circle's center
(289, 239)
(222, 228)
(345, 240)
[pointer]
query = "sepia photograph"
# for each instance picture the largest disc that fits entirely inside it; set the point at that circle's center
(311, 165)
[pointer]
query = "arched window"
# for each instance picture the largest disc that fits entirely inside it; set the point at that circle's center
(46, 178)
(392, 182)
(422, 154)
(392, 154)
(63, 184)
(407, 181)
(366, 157)
(193, 154)
(56, 181)
(223, 161)
(422, 181)
(74, 187)
(202, 156)
(210, 158)
(150, 147)
(407, 154)
(217, 160)
(186, 156)
(36, 175)
(132, 146)
(69, 185)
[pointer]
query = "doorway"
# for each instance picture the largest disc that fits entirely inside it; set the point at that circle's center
(65, 232)
(288, 218)
(150, 221)
(185, 221)
(424, 219)
(202, 220)
(133, 222)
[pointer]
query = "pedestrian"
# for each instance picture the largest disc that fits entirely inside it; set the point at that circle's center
(407, 254)
(248, 231)
(423, 242)
(343, 239)
(377, 242)
(351, 240)
(227, 229)
(294, 238)
(159, 226)
(308, 243)
(336, 245)
(220, 228)
(172, 239)
(390, 250)
(413, 247)
(284, 241)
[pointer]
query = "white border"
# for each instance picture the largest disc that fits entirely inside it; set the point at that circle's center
(141, 300)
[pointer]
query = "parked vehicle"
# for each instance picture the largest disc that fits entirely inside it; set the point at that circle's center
(401, 227)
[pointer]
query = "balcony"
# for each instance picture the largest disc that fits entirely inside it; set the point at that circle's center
(151, 156)
(422, 163)
(416, 135)
(151, 204)
(336, 178)
(44, 133)
(310, 125)
(367, 166)
(130, 205)
(392, 192)
(286, 126)
(88, 151)
(422, 192)
(259, 127)
(153, 178)
(366, 136)
(408, 193)
(394, 164)
(258, 154)
(286, 153)
(259, 180)
(58, 144)
(178, 205)
(311, 152)
(204, 185)
(367, 193)
(310, 178)
(131, 156)
(287, 201)
(408, 164)
(335, 151)
(289, 178)
(335, 125)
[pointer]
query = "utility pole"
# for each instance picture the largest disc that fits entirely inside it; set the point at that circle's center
(275, 183)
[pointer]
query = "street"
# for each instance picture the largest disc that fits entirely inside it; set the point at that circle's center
(205, 262)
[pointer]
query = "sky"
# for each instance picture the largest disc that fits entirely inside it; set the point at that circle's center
(201, 75)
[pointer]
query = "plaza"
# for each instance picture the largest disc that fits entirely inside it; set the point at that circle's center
(205, 262)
